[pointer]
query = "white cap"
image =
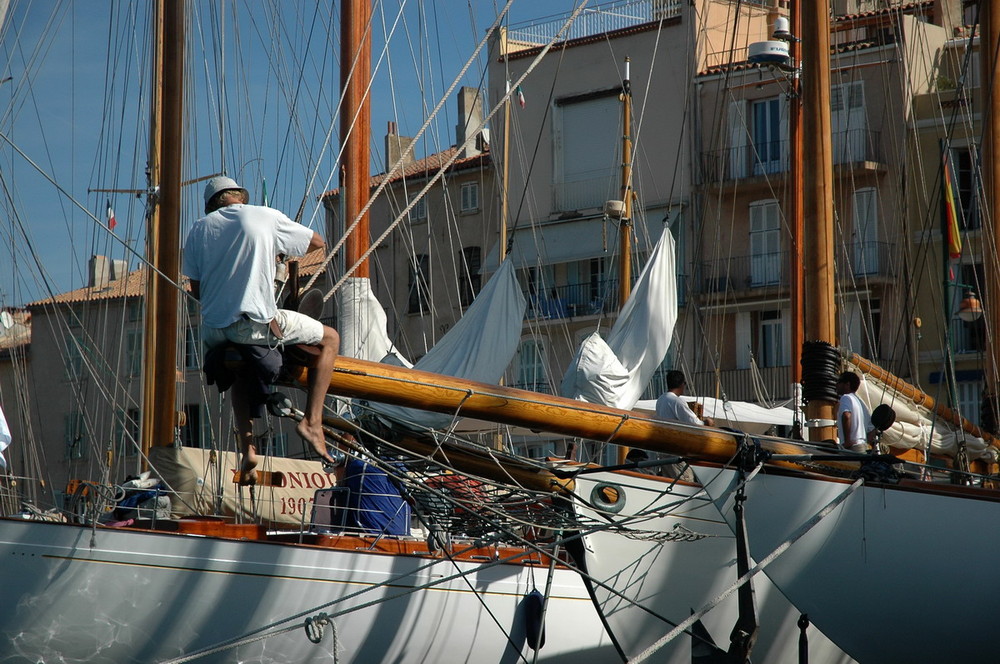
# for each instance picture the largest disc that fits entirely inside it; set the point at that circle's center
(217, 184)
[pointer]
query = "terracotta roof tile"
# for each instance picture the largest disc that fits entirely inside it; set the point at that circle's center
(426, 167)
(134, 284)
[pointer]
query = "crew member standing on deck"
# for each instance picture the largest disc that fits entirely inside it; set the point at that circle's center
(853, 421)
(670, 406)
(230, 256)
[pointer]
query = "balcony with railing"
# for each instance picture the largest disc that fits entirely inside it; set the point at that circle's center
(772, 157)
(584, 194)
(753, 385)
(586, 299)
(967, 337)
(594, 20)
(572, 300)
(865, 260)
(741, 273)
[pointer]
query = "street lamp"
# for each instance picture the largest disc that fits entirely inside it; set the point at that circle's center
(970, 309)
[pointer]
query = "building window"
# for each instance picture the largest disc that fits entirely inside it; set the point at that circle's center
(75, 436)
(419, 209)
(471, 280)
(865, 209)
(861, 325)
(470, 196)
(767, 131)
(849, 122)
(133, 352)
(530, 362)
(773, 348)
(128, 433)
(192, 348)
(874, 348)
(765, 243)
(191, 432)
(134, 310)
(74, 355)
(419, 284)
(967, 186)
(586, 146)
(969, 395)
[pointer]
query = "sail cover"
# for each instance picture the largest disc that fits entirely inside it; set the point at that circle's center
(479, 347)
(615, 372)
(361, 323)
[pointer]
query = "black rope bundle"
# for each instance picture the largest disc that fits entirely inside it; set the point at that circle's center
(820, 362)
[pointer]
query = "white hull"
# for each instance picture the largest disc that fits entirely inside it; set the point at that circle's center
(114, 595)
(891, 575)
(672, 579)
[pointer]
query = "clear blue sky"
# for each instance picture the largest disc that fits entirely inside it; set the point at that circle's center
(75, 107)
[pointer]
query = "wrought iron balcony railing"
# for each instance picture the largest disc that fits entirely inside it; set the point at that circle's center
(744, 273)
(771, 157)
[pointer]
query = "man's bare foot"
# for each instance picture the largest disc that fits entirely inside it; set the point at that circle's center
(316, 438)
(248, 469)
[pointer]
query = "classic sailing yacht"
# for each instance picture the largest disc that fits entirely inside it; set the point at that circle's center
(885, 539)
(811, 529)
(175, 590)
(195, 568)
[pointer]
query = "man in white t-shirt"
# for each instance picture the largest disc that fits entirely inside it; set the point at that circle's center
(231, 258)
(853, 420)
(670, 406)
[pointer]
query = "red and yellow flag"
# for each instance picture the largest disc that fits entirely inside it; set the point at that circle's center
(951, 210)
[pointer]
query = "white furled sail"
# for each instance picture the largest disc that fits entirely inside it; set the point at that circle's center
(917, 427)
(362, 323)
(741, 415)
(479, 347)
(615, 372)
(5, 439)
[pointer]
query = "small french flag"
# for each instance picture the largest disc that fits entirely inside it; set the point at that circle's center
(112, 222)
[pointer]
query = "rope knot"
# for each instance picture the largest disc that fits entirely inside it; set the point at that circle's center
(315, 626)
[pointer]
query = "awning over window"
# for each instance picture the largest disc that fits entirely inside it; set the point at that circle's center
(555, 242)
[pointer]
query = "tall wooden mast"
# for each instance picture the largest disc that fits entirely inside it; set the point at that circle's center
(989, 43)
(159, 416)
(625, 222)
(797, 186)
(820, 315)
(355, 125)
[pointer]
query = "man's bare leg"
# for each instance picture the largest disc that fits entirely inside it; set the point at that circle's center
(244, 434)
(311, 426)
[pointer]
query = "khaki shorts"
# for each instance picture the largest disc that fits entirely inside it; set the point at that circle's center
(296, 328)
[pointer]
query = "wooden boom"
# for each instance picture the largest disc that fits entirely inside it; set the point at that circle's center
(539, 412)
